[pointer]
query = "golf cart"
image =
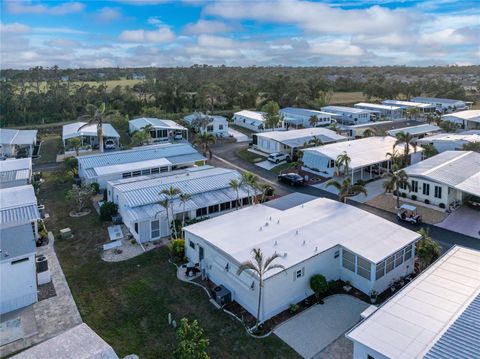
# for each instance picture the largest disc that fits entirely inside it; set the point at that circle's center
(408, 213)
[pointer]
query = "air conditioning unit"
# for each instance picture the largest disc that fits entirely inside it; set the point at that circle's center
(222, 295)
(43, 273)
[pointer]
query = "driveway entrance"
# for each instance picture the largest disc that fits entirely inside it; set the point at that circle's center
(464, 220)
(312, 330)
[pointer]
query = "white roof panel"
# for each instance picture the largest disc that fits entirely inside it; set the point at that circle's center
(17, 137)
(254, 115)
(297, 138)
(344, 109)
(412, 321)
(73, 130)
(303, 112)
(156, 123)
(303, 231)
(407, 104)
(134, 166)
(18, 205)
(377, 106)
(470, 115)
(415, 130)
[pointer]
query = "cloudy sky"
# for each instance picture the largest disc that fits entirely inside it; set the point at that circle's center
(286, 32)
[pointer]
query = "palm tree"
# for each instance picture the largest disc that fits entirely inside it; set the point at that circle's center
(427, 249)
(165, 203)
(315, 141)
(260, 267)
(205, 140)
(170, 194)
(343, 160)
(313, 121)
(345, 188)
(251, 182)
(96, 115)
(396, 180)
(407, 140)
(184, 198)
(369, 132)
(412, 113)
(395, 158)
(236, 184)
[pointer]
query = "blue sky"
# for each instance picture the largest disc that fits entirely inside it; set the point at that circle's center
(239, 33)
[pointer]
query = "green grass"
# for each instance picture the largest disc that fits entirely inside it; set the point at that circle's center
(280, 168)
(48, 149)
(127, 303)
(347, 98)
(246, 155)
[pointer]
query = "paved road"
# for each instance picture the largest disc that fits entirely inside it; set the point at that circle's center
(225, 156)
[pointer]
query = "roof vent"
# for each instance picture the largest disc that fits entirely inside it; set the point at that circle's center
(296, 232)
(302, 205)
(270, 218)
(266, 224)
(6, 254)
(303, 243)
(278, 222)
(276, 243)
(260, 228)
(316, 249)
(284, 254)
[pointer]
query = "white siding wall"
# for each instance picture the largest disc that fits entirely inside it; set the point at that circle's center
(361, 351)
(268, 145)
(247, 122)
(318, 163)
(18, 284)
(447, 196)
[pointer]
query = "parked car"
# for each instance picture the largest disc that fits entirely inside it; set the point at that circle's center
(278, 157)
(293, 179)
(474, 202)
(110, 144)
(178, 137)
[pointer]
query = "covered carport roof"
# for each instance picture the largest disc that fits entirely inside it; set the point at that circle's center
(73, 130)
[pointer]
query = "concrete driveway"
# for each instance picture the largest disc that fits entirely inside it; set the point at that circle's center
(315, 328)
(240, 137)
(374, 189)
(464, 220)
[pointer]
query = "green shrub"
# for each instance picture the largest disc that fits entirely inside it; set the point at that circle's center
(318, 283)
(427, 201)
(294, 307)
(107, 210)
(177, 248)
(95, 187)
(441, 205)
(404, 195)
(360, 183)
(414, 197)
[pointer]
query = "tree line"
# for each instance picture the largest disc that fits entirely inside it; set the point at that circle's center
(41, 95)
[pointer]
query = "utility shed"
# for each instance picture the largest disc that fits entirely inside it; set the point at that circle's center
(80, 342)
(435, 316)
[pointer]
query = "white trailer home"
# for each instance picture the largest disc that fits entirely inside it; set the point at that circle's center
(416, 132)
(313, 236)
(216, 125)
(422, 107)
(15, 172)
(138, 199)
(442, 104)
(434, 316)
(139, 161)
(300, 117)
(348, 115)
(15, 143)
(444, 178)
(253, 121)
(160, 130)
(450, 141)
(382, 111)
(368, 157)
(468, 120)
(88, 134)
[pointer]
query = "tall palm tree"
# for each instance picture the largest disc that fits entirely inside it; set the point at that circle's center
(345, 188)
(250, 181)
(407, 140)
(165, 203)
(184, 198)
(96, 115)
(369, 132)
(412, 113)
(171, 193)
(343, 160)
(427, 249)
(235, 185)
(313, 121)
(395, 158)
(205, 140)
(260, 267)
(396, 180)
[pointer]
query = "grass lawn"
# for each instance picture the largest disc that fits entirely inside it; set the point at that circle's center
(48, 149)
(280, 168)
(339, 98)
(246, 155)
(127, 303)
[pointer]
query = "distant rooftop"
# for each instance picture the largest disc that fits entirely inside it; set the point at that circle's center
(17, 137)
(344, 109)
(415, 130)
(73, 130)
(302, 112)
(407, 103)
(435, 99)
(156, 123)
(296, 138)
(213, 118)
(377, 106)
(254, 115)
(447, 137)
(470, 115)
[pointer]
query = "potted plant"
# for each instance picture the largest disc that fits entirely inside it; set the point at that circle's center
(373, 296)
(402, 282)
(392, 286)
(347, 287)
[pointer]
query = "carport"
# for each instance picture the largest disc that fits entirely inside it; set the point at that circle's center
(315, 328)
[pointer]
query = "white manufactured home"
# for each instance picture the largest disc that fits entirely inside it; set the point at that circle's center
(422, 107)
(416, 132)
(15, 143)
(15, 172)
(139, 161)
(312, 236)
(292, 140)
(442, 104)
(468, 120)
(382, 111)
(253, 121)
(450, 141)
(444, 178)
(435, 316)
(88, 134)
(348, 115)
(368, 156)
(216, 125)
(301, 117)
(139, 199)
(160, 130)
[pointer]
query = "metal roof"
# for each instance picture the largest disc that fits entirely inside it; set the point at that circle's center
(289, 201)
(17, 137)
(468, 115)
(157, 123)
(462, 338)
(377, 106)
(407, 104)
(416, 319)
(435, 99)
(457, 169)
(145, 153)
(344, 109)
(73, 130)
(133, 166)
(415, 130)
(297, 138)
(302, 112)
(448, 137)
(18, 205)
(15, 170)
(16, 241)
(212, 118)
(253, 115)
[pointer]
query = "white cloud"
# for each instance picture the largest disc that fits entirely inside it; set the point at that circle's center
(26, 7)
(61, 43)
(206, 27)
(63, 30)
(107, 14)
(335, 48)
(15, 28)
(160, 35)
(154, 20)
(217, 42)
(442, 37)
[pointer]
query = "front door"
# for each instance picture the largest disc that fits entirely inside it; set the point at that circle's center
(200, 253)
